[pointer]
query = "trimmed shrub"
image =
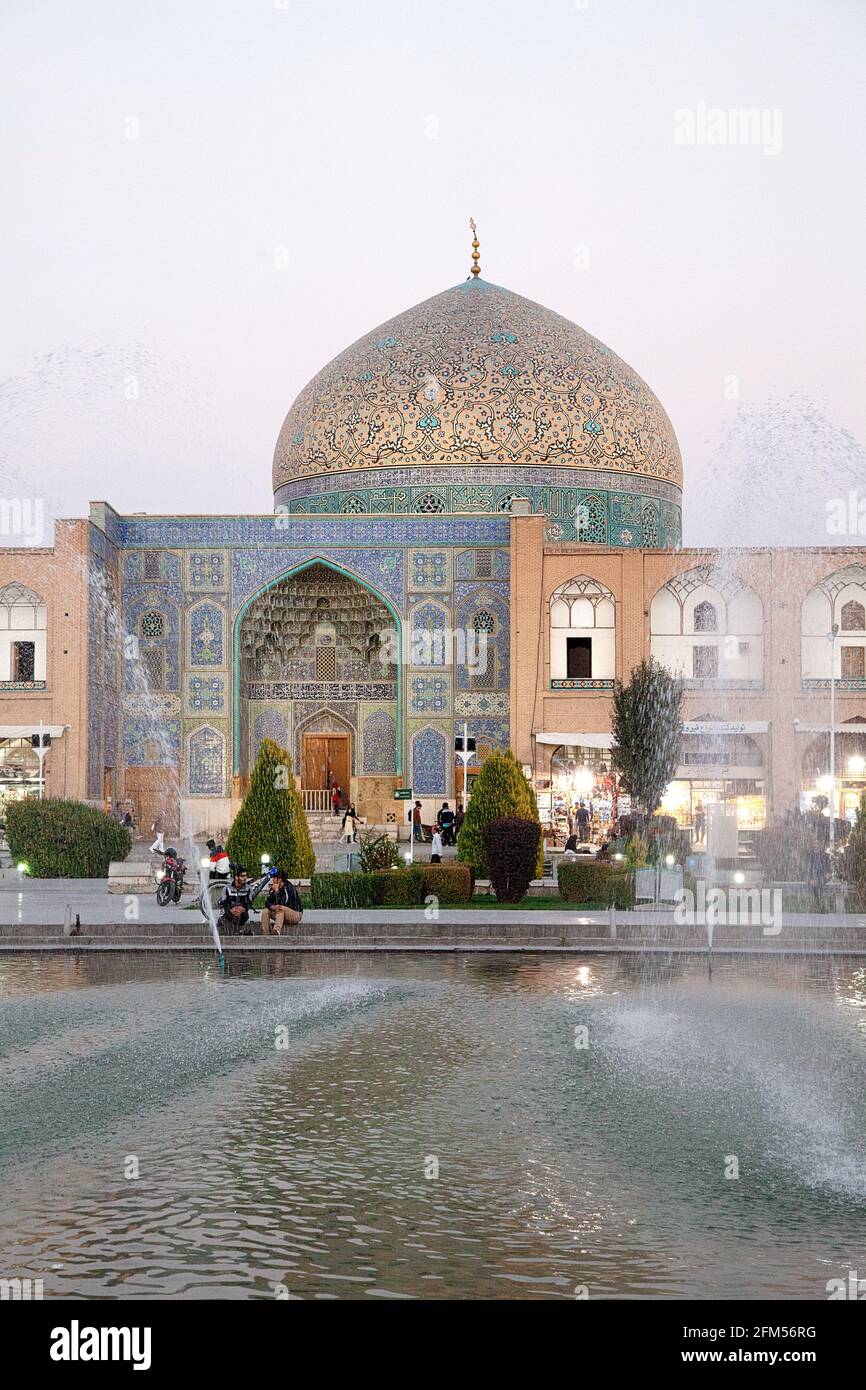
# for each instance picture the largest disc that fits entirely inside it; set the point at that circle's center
(450, 883)
(64, 839)
(596, 883)
(512, 849)
(501, 790)
(341, 890)
(271, 819)
(398, 887)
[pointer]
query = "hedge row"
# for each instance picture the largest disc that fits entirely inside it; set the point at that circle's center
(409, 887)
(64, 839)
(596, 883)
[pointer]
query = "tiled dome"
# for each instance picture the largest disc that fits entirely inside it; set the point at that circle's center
(475, 378)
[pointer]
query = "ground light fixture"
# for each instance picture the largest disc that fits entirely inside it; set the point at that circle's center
(739, 876)
(205, 863)
(670, 860)
(266, 859)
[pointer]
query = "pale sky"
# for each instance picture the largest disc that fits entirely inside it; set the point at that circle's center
(206, 200)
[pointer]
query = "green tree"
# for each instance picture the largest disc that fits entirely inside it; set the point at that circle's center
(852, 860)
(271, 819)
(647, 732)
(500, 790)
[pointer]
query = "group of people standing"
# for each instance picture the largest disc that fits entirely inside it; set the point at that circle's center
(444, 831)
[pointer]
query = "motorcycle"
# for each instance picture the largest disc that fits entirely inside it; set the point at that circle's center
(170, 886)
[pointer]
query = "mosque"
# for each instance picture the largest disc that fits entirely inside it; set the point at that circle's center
(477, 526)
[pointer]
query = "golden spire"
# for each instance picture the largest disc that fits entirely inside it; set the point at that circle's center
(476, 269)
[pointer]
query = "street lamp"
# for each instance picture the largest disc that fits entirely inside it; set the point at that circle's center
(833, 634)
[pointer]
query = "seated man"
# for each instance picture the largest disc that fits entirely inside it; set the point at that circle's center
(283, 907)
(236, 902)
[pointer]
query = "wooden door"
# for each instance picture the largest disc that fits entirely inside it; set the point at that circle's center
(325, 761)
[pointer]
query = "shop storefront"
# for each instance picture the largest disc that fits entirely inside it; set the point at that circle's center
(579, 771)
(721, 773)
(817, 789)
(19, 761)
(19, 771)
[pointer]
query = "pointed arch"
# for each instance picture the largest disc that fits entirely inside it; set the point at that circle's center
(289, 574)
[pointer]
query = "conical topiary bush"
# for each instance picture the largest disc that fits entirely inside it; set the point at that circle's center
(272, 818)
(500, 790)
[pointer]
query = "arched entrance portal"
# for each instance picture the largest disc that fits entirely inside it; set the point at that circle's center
(318, 661)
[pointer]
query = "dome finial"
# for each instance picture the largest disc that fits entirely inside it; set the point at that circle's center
(476, 269)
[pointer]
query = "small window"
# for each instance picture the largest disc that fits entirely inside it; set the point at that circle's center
(152, 626)
(853, 617)
(24, 661)
(706, 618)
(744, 648)
(854, 663)
(430, 504)
(152, 567)
(484, 564)
(705, 663)
(578, 655)
(483, 621)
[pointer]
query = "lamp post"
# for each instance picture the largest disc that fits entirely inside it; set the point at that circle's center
(833, 633)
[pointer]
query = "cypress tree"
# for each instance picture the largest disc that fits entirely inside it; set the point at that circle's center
(647, 732)
(272, 819)
(500, 790)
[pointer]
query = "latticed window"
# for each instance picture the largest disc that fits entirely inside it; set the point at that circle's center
(152, 567)
(853, 617)
(504, 504)
(485, 677)
(705, 663)
(326, 663)
(484, 564)
(706, 618)
(153, 662)
(23, 661)
(430, 503)
(152, 626)
(484, 621)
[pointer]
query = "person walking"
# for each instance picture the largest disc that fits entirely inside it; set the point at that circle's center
(336, 798)
(417, 826)
(350, 824)
(436, 848)
(158, 829)
(283, 906)
(582, 819)
(459, 817)
(700, 822)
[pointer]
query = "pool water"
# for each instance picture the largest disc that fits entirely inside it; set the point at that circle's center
(442, 1126)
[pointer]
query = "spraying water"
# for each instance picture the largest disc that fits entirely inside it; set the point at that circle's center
(152, 708)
